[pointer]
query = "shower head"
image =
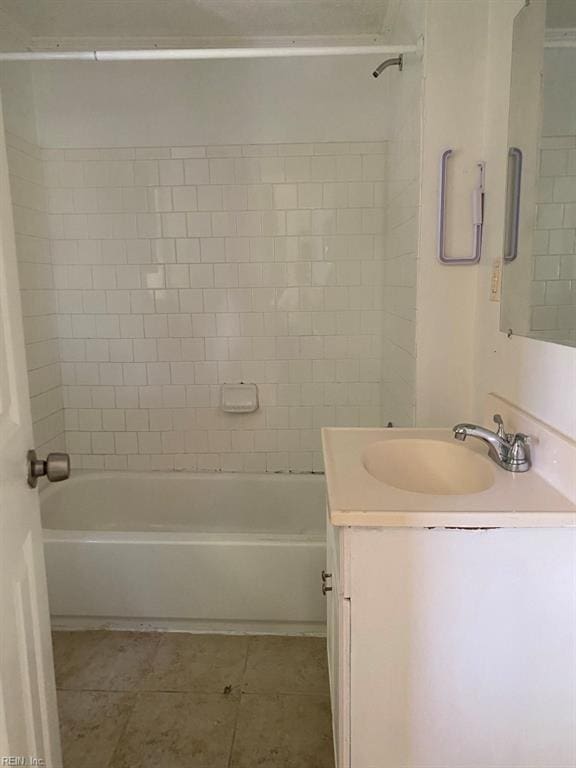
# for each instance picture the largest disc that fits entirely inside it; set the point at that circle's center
(396, 62)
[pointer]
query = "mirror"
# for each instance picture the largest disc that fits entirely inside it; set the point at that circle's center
(539, 251)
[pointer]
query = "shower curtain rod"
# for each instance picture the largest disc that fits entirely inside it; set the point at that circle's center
(185, 54)
(568, 43)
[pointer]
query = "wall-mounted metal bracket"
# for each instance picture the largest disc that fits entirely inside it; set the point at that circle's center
(513, 193)
(477, 216)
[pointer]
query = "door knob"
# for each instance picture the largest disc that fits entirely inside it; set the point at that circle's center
(56, 467)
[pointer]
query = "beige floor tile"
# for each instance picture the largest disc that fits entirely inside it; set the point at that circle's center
(90, 726)
(72, 650)
(200, 663)
(283, 732)
(178, 730)
(102, 661)
(286, 665)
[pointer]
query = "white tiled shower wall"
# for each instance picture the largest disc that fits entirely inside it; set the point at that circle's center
(554, 263)
(178, 269)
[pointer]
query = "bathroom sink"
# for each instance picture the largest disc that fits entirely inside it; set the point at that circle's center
(428, 466)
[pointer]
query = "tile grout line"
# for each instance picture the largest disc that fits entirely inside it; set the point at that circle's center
(150, 664)
(123, 730)
(136, 696)
(194, 691)
(238, 704)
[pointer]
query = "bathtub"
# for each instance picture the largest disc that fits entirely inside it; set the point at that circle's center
(186, 552)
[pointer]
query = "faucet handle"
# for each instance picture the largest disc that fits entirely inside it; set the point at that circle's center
(519, 455)
(497, 419)
(521, 439)
(524, 438)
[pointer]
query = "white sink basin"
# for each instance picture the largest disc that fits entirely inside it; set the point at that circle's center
(428, 466)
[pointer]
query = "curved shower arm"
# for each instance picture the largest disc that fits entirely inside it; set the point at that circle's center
(397, 61)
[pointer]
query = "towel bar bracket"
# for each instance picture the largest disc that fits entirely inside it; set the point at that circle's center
(477, 216)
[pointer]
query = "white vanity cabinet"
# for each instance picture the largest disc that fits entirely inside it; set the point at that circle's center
(452, 648)
(452, 615)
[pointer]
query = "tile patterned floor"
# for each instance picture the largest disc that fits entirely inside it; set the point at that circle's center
(171, 700)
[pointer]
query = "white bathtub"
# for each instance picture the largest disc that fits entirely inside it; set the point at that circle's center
(197, 552)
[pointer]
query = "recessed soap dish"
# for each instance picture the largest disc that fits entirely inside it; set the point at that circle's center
(239, 398)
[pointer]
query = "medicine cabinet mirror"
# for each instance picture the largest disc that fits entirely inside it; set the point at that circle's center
(539, 255)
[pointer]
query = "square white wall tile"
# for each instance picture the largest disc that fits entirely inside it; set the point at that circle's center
(176, 269)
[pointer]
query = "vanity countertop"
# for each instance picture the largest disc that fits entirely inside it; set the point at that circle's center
(356, 498)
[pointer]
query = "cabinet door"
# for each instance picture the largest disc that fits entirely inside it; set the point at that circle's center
(338, 609)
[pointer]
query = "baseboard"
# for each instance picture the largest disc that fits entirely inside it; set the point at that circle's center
(193, 626)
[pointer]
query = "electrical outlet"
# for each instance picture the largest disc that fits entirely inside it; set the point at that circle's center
(496, 280)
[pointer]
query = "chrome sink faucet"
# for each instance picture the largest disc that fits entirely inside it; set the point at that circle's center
(510, 451)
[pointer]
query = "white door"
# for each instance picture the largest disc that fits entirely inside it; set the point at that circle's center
(28, 714)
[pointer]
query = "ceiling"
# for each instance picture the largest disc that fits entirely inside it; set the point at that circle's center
(47, 23)
(194, 18)
(561, 13)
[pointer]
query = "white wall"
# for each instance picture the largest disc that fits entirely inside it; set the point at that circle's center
(454, 66)
(17, 91)
(404, 21)
(399, 300)
(199, 103)
(461, 353)
(538, 376)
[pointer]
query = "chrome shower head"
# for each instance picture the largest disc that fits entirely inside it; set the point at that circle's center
(396, 62)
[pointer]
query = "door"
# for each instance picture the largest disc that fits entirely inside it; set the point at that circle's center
(28, 714)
